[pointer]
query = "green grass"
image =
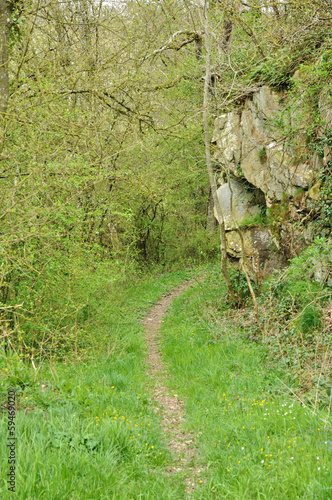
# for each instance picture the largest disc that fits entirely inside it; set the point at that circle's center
(255, 439)
(86, 429)
(294, 307)
(89, 431)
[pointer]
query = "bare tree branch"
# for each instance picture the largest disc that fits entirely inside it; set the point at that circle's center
(170, 45)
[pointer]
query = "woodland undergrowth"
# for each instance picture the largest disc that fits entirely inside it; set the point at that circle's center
(295, 307)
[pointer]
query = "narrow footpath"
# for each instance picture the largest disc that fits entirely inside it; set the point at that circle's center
(168, 404)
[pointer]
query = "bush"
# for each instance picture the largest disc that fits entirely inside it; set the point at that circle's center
(310, 319)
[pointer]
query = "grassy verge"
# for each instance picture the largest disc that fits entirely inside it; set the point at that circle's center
(85, 429)
(256, 439)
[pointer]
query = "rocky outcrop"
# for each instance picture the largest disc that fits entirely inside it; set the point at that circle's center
(325, 107)
(238, 205)
(261, 250)
(248, 145)
(252, 152)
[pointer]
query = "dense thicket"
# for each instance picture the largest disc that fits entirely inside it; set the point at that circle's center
(101, 154)
(102, 144)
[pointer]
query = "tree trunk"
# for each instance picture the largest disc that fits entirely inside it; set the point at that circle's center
(276, 10)
(227, 35)
(198, 48)
(5, 22)
(228, 25)
(212, 180)
(210, 218)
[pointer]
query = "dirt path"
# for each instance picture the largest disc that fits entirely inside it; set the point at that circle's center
(169, 406)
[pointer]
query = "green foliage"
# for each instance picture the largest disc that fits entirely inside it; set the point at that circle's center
(299, 118)
(239, 285)
(90, 425)
(102, 170)
(306, 275)
(310, 320)
(278, 212)
(262, 154)
(256, 220)
(256, 436)
(326, 194)
(168, 193)
(294, 308)
(276, 73)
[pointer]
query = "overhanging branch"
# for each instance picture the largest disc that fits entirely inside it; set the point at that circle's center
(171, 44)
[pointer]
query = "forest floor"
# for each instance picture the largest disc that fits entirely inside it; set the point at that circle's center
(177, 404)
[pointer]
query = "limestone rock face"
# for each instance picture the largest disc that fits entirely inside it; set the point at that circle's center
(227, 136)
(236, 204)
(254, 239)
(260, 249)
(249, 145)
(266, 102)
(246, 142)
(325, 107)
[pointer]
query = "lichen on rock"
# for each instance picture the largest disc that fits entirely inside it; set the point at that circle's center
(250, 148)
(237, 204)
(241, 137)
